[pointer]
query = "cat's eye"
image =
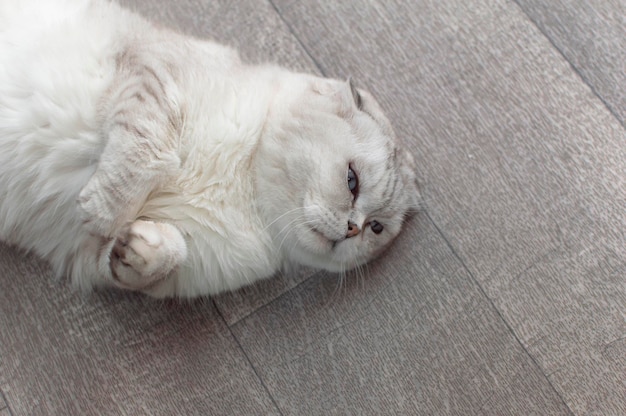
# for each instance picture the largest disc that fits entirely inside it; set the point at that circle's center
(353, 182)
(376, 227)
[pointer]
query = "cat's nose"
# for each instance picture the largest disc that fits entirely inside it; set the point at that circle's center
(353, 229)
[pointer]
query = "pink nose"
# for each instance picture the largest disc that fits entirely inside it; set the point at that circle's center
(353, 229)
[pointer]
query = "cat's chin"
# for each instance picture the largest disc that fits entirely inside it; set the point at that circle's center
(325, 242)
(330, 264)
(315, 249)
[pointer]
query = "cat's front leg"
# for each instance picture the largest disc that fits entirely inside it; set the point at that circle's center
(145, 253)
(141, 127)
(117, 191)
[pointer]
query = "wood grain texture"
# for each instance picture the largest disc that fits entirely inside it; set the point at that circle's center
(234, 306)
(414, 337)
(592, 36)
(251, 27)
(115, 353)
(4, 410)
(161, 368)
(507, 296)
(523, 168)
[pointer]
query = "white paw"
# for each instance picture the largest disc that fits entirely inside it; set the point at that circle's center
(146, 253)
(98, 216)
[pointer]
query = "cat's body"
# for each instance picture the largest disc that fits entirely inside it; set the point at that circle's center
(137, 157)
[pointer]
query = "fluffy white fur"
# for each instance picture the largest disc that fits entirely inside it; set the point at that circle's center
(136, 157)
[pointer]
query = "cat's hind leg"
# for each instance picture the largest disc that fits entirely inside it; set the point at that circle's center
(146, 253)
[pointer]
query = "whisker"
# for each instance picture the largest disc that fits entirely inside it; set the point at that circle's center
(283, 215)
(340, 277)
(344, 280)
(365, 268)
(358, 277)
(279, 249)
(288, 224)
(290, 230)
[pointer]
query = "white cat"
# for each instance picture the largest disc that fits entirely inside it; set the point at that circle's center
(137, 157)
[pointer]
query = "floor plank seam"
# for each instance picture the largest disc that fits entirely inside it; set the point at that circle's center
(254, 370)
(4, 405)
(293, 33)
(499, 314)
(584, 79)
(270, 302)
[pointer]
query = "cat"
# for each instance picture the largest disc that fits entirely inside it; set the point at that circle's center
(136, 157)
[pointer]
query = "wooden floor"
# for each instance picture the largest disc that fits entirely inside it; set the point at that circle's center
(505, 296)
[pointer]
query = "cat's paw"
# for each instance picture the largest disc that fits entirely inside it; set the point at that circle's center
(146, 253)
(98, 215)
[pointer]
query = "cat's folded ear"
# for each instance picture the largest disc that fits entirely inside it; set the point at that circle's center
(408, 171)
(356, 95)
(341, 93)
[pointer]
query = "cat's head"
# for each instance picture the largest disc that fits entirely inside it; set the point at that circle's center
(333, 183)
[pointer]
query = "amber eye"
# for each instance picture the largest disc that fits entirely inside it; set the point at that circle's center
(353, 182)
(376, 227)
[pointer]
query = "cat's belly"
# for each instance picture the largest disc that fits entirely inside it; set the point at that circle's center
(228, 245)
(215, 265)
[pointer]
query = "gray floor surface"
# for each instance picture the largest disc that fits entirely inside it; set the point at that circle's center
(505, 296)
